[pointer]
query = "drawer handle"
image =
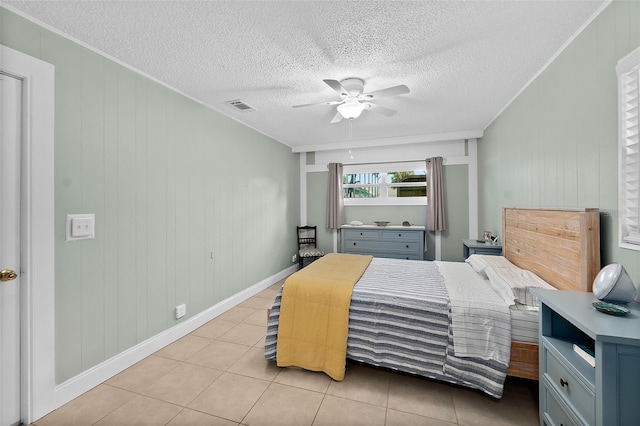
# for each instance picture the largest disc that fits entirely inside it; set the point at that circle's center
(399, 235)
(407, 246)
(361, 233)
(354, 244)
(563, 382)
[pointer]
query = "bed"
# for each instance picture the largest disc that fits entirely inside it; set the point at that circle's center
(417, 317)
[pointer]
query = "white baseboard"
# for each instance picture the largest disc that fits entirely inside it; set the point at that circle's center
(91, 378)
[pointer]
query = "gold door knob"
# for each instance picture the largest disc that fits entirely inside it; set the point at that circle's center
(8, 275)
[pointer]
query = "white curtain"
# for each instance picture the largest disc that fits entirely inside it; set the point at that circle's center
(435, 195)
(335, 200)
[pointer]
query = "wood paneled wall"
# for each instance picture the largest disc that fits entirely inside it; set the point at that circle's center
(555, 145)
(170, 182)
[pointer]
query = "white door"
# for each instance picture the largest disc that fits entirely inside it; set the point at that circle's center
(10, 142)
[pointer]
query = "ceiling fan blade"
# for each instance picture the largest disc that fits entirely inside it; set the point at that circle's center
(318, 103)
(380, 109)
(389, 91)
(335, 85)
(336, 118)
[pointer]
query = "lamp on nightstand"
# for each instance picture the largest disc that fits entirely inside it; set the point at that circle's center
(613, 284)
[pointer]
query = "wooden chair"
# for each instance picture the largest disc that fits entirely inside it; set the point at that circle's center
(307, 245)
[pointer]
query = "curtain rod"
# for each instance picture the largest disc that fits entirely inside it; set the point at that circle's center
(382, 162)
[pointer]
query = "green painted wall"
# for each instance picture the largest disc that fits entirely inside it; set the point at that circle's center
(456, 180)
(169, 181)
(556, 144)
(317, 183)
(456, 198)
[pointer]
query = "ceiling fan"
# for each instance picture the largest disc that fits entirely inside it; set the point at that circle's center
(353, 100)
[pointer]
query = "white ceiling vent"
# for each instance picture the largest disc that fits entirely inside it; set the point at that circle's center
(240, 106)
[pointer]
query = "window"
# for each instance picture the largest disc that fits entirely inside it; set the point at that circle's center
(385, 184)
(628, 70)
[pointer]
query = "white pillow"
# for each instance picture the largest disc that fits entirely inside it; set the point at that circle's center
(478, 265)
(514, 284)
(480, 262)
(500, 286)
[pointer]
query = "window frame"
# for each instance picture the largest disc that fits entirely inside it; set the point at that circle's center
(628, 68)
(383, 169)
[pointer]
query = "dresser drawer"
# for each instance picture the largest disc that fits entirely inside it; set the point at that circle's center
(400, 236)
(570, 388)
(400, 246)
(406, 255)
(398, 255)
(555, 414)
(488, 250)
(360, 234)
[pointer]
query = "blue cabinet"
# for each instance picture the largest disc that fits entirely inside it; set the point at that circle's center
(398, 242)
(470, 247)
(572, 392)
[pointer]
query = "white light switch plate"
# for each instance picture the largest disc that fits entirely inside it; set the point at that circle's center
(80, 226)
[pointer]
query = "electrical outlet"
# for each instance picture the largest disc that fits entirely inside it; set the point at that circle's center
(181, 311)
(80, 226)
(294, 258)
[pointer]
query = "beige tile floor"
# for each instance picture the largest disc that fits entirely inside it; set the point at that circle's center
(217, 375)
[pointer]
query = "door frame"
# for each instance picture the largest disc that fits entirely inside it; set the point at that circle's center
(38, 396)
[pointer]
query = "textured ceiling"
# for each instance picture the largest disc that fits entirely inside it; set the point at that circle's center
(463, 61)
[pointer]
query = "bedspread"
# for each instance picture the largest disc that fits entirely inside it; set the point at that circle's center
(400, 318)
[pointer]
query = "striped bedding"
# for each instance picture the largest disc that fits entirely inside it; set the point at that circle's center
(524, 324)
(482, 323)
(400, 318)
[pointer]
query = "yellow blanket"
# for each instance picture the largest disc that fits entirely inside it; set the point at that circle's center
(314, 314)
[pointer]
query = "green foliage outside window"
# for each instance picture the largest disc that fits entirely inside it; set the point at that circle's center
(385, 185)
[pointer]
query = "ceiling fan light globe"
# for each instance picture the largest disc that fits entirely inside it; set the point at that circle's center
(351, 110)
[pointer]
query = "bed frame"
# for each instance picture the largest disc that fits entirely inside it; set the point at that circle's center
(560, 246)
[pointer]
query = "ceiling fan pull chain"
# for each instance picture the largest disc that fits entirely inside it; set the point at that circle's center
(350, 136)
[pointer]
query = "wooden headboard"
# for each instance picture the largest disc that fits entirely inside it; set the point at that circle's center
(560, 246)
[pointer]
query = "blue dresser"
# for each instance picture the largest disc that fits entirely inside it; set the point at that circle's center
(572, 392)
(397, 242)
